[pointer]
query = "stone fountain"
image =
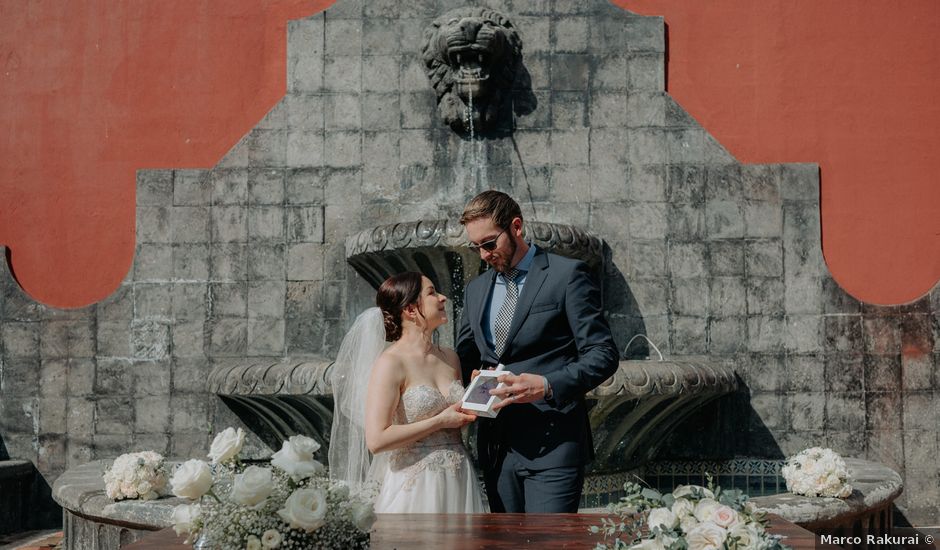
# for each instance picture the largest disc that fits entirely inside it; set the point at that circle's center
(473, 59)
(247, 274)
(632, 411)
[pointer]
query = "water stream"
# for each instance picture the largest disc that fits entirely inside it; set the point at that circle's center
(470, 168)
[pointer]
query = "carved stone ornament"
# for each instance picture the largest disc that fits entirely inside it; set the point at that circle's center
(472, 55)
(438, 248)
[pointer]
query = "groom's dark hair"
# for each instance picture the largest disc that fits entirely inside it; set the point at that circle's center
(492, 204)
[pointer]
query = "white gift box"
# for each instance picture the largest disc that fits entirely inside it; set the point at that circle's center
(477, 398)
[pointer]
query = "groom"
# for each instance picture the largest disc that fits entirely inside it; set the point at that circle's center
(540, 315)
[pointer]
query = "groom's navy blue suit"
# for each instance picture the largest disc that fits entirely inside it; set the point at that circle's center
(558, 331)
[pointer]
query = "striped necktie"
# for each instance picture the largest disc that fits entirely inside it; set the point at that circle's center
(504, 316)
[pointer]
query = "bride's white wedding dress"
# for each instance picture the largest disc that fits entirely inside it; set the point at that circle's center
(434, 474)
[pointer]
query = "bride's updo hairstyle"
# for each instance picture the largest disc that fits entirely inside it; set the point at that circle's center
(395, 294)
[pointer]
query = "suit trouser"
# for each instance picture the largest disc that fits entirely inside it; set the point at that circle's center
(511, 487)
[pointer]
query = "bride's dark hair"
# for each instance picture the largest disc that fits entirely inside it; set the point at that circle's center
(394, 295)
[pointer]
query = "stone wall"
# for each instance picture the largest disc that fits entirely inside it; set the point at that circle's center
(246, 260)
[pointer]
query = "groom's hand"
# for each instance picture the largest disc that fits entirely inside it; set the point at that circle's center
(521, 388)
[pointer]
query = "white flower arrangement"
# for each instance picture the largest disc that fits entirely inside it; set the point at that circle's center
(291, 504)
(689, 518)
(136, 475)
(817, 472)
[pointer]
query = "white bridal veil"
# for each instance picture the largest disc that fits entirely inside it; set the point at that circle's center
(349, 457)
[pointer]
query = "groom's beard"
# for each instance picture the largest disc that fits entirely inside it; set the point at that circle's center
(501, 262)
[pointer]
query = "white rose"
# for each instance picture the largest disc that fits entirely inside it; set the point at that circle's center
(725, 516)
(682, 507)
(748, 537)
(151, 456)
(253, 543)
(705, 508)
(252, 486)
(113, 490)
(363, 516)
(706, 536)
(662, 518)
(304, 444)
(688, 523)
(128, 489)
(296, 458)
(144, 487)
(226, 445)
(271, 539)
(184, 515)
(192, 479)
(304, 509)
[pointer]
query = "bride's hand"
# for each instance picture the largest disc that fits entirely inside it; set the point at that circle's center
(454, 417)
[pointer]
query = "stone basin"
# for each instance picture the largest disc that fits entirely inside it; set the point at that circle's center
(92, 521)
(874, 485)
(631, 412)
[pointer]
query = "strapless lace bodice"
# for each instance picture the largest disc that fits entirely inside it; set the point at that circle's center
(441, 449)
(424, 401)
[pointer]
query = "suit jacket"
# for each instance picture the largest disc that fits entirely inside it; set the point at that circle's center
(558, 331)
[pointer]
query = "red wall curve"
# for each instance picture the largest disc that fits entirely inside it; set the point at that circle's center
(94, 90)
(852, 86)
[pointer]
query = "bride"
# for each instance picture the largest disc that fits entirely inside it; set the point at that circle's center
(402, 404)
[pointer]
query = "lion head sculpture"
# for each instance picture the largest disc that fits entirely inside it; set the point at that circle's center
(472, 56)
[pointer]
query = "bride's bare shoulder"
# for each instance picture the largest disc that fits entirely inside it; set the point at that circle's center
(390, 364)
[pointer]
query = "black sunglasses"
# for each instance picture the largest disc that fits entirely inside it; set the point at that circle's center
(489, 245)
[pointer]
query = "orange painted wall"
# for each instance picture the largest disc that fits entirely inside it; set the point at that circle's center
(91, 91)
(853, 86)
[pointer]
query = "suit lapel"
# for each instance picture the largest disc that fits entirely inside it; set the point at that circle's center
(533, 282)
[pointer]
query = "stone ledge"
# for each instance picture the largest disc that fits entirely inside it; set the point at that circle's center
(874, 488)
(80, 491)
(672, 377)
(634, 378)
(289, 376)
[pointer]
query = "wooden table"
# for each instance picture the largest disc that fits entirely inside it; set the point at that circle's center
(510, 531)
